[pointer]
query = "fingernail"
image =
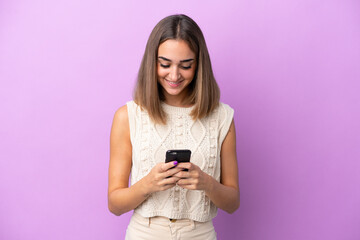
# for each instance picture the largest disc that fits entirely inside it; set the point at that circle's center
(175, 162)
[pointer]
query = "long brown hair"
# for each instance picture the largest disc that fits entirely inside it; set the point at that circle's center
(204, 92)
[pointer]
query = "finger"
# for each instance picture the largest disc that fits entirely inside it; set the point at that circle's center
(188, 184)
(184, 182)
(185, 165)
(166, 166)
(171, 172)
(182, 174)
(166, 187)
(169, 181)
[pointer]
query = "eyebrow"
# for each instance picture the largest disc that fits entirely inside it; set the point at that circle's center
(182, 61)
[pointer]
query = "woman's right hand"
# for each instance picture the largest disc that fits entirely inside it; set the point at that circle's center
(161, 177)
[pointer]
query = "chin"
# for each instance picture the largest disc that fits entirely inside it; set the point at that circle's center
(173, 92)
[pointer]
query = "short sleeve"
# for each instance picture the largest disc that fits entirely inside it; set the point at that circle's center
(226, 115)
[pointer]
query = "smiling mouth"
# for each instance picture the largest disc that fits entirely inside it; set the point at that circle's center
(174, 84)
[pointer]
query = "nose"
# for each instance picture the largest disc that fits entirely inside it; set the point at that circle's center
(174, 74)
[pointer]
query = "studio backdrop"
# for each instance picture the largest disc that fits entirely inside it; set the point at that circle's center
(289, 68)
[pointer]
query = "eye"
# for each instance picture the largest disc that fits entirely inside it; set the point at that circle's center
(164, 66)
(186, 67)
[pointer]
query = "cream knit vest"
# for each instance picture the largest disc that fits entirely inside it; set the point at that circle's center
(151, 141)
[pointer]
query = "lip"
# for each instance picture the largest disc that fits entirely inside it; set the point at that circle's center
(174, 84)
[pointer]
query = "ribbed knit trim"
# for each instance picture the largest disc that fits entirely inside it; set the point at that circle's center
(173, 109)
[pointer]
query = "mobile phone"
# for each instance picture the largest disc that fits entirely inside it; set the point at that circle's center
(182, 155)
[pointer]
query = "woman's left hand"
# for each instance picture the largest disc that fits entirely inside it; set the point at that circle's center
(194, 178)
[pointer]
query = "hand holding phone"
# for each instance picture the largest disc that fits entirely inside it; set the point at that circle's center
(178, 155)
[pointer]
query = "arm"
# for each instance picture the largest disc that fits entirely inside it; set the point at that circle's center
(225, 194)
(122, 198)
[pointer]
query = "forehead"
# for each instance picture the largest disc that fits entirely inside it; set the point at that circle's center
(175, 50)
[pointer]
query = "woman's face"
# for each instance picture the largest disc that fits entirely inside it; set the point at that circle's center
(176, 65)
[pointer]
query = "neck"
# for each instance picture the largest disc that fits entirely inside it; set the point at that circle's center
(180, 100)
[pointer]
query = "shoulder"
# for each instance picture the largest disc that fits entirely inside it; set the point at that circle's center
(131, 104)
(225, 106)
(225, 110)
(122, 113)
(226, 116)
(121, 116)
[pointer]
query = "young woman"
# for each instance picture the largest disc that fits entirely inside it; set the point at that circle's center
(176, 106)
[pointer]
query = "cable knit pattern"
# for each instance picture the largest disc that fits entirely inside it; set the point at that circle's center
(150, 142)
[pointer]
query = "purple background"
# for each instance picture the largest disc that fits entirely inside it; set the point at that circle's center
(290, 69)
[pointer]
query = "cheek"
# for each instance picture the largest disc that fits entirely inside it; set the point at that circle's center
(189, 74)
(161, 72)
